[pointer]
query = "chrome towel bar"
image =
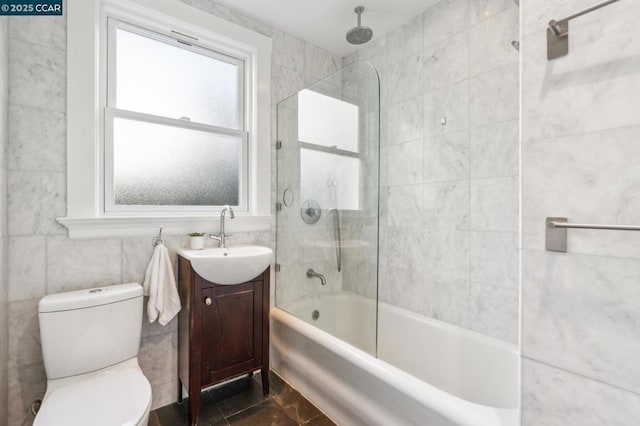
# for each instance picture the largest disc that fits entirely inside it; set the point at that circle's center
(558, 31)
(556, 231)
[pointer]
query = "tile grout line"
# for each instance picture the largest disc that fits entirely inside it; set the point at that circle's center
(46, 264)
(556, 367)
(541, 250)
(469, 302)
(244, 409)
(559, 137)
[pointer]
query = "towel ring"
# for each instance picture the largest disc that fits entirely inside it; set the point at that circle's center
(158, 239)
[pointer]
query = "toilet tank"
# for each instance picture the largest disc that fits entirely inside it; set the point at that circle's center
(86, 330)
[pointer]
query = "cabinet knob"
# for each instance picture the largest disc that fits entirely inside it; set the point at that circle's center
(207, 301)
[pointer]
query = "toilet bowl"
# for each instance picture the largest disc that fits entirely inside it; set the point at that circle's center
(118, 395)
(90, 342)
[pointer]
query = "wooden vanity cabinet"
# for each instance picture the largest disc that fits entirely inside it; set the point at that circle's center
(223, 332)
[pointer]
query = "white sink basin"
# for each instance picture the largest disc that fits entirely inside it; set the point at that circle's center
(231, 265)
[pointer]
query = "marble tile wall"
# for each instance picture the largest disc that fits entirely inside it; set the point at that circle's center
(42, 259)
(4, 141)
(580, 127)
(449, 158)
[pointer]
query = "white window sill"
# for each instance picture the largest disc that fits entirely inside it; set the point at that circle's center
(119, 227)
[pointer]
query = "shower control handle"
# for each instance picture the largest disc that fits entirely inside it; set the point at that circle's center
(207, 301)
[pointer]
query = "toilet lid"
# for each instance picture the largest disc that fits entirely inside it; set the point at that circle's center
(113, 397)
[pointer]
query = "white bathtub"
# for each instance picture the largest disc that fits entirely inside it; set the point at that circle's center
(441, 374)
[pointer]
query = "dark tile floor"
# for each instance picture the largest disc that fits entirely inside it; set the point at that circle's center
(241, 403)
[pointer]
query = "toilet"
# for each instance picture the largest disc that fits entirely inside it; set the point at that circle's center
(90, 342)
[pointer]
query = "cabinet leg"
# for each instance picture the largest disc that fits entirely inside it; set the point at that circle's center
(264, 372)
(179, 391)
(194, 405)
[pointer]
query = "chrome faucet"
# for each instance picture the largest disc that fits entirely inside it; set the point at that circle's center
(222, 237)
(313, 274)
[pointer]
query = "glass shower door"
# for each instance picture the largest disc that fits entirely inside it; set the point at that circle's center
(327, 218)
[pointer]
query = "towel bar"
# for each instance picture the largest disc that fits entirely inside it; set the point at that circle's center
(558, 31)
(556, 234)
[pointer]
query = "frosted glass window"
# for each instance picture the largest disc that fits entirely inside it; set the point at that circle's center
(175, 137)
(163, 165)
(327, 121)
(175, 81)
(332, 180)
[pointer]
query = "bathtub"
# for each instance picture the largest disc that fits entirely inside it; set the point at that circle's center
(427, 372)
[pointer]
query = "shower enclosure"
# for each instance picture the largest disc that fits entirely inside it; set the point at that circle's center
(370, 344)
(328, 197)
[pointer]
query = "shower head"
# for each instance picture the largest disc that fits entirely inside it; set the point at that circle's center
(359, 34)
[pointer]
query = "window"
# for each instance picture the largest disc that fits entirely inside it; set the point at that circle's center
(315, 110)
(330, 163)
(168, 118)
(175, 135)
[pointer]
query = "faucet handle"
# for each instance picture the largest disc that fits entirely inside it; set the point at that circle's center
(215, 237)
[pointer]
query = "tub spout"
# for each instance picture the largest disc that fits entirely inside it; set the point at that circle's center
(313, 274)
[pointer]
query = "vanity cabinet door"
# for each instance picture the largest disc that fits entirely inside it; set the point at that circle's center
(231, 324)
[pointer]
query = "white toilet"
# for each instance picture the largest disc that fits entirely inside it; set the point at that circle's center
(90, 341)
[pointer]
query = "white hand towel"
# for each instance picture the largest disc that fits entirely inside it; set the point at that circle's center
(160, 286)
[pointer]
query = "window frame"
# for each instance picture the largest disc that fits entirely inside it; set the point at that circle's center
(86, 91)
(111, 112)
